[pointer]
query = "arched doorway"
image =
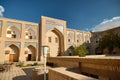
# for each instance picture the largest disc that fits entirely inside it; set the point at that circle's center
(14, 53)
(31, 53)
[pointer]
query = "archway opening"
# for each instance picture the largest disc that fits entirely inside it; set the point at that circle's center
(14, 54)
(31, 53)
(61, 41)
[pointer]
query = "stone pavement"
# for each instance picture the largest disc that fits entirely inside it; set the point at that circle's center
(17, 73)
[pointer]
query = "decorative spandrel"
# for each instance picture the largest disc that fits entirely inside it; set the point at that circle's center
(50, 24)
(14, 43)
(30, 43)
(28, 26)
(18, 25)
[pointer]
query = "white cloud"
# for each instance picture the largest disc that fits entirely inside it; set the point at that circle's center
(1, 11)
(107, 24)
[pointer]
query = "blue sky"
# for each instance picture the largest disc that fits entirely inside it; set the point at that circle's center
(79, 14)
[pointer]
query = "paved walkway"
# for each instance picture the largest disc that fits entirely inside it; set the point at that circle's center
(16, 73)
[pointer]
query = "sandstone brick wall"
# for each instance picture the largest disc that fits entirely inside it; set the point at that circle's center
(62, 74)
(103, 67)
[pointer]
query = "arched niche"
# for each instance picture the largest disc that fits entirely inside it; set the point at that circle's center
(30, 34)
(30, 51)
(12, 53)
(13, 32)
(70, 37)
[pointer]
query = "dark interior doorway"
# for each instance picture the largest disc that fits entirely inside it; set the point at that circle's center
(29, 57)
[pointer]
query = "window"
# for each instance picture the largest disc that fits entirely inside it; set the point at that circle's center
(13, 35)
(30, 37)
(26, 33)
(56, 40)
(49, 39)
(77, 40)
(8, 32)
(96, 41)
(7, 52)
(26, 52)
(68, 40)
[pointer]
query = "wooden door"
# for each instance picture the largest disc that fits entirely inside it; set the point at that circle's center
(11, 57)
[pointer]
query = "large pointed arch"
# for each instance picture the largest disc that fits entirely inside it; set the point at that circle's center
(61, 40)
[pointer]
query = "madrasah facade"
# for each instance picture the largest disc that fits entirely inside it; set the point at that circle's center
(24, 41)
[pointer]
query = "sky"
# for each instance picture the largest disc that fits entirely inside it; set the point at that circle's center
(91, 15)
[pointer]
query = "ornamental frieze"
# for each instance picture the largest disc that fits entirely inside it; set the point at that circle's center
(30, 43)
(10, 43)
(18, 25)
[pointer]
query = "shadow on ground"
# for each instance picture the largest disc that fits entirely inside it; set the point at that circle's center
(28, 76)
(21, 78)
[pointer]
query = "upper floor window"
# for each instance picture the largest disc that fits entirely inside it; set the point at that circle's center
(68, 40)
(8, 32)
(56, 40)
(49, 39)
(77, 40)
(7, 52)
(13, 34)
(30, 36)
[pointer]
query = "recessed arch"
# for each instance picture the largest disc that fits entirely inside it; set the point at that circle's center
(13, 32)
(70, 50)
(61, 41)
(30, 33)
(14, 53)
(31, 55)
(55, 42)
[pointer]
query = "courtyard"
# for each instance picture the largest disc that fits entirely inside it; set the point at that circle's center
(18, 73)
